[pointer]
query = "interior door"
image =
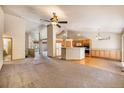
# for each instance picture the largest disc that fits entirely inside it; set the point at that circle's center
(7, 49)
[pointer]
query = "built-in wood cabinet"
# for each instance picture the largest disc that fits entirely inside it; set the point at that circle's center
(101, 53)
(68, 43)
(87, 43)
(60, 41)
(31, 53)
(65, 42)
(77, 43)
(118, 55)
(109, 54)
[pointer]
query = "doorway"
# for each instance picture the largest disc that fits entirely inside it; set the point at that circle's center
(7, 49)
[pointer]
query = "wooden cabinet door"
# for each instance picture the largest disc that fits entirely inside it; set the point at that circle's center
(110, 54)
(84, 42)
(118, 54)
(102, 53)
(113, 54)
(106, 54)
(87, 42)
(74, 43)
(97, 53)
(93, 53)
(68, 44)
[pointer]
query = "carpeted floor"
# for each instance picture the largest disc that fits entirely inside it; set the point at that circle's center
(56, 73)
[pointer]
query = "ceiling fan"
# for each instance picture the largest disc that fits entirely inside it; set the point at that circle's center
(54, 20)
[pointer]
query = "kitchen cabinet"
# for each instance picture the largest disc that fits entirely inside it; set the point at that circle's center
(109, 54)
(73, 53)
(93, 53)
(102, 53)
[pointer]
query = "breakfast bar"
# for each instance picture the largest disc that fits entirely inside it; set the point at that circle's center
(73, 53)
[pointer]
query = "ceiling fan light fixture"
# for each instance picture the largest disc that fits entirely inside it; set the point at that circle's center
(54, 23)
(54, 20)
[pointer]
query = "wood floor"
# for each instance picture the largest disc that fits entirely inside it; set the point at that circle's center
(44, 72)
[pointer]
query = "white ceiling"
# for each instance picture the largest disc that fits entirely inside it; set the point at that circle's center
(80, 18)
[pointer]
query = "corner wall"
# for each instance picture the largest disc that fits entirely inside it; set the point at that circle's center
(15, 28)
(1, 32)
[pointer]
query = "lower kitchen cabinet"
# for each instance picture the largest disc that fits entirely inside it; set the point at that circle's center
(109, 54)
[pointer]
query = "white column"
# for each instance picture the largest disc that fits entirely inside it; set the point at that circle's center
(51, 40)
(122, 58)
(26, 43)
(1, 32)
(40, 42)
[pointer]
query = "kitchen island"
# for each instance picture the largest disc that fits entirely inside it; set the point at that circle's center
(73, 53)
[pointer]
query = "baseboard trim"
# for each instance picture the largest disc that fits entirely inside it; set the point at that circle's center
(107, 58)
(18, 59)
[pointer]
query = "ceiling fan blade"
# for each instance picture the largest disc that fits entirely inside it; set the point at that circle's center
(45, 20)
(64, 22)
(58, 25)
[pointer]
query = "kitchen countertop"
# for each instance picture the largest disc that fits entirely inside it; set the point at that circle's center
(73, 53)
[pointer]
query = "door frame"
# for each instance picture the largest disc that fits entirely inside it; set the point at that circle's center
(11, 46)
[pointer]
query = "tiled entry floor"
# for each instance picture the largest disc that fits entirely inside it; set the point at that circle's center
(47, 72)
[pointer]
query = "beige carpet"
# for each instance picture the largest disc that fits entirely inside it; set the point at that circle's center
(52, 73)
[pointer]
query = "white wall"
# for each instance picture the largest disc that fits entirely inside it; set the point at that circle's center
(113, 43)
(15, 28)
(43, 33)
(1, 31)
